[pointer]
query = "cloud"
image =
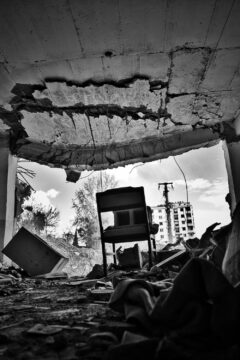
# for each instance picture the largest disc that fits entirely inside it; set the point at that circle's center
(205, 217)
(52, 193)
(41, 199)
(208, 191)
(216, 193)
(196, 184)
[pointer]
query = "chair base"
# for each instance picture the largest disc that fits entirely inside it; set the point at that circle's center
(150, 251)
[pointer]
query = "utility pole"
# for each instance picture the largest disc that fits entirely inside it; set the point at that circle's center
(168, 206)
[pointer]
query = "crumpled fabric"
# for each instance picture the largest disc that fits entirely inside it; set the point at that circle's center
(198, 315)
(231, 261)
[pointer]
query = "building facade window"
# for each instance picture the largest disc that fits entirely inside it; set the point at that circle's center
(181, 219)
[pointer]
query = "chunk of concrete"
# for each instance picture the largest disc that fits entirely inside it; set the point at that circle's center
(33, 254)
(72, 175)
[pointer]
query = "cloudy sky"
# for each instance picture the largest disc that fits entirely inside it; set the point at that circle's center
(204, 169)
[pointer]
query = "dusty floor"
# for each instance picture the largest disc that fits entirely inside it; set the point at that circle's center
(71, 312)
(63, 318)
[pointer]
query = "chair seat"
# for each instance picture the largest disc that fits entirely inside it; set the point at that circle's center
(126, 233)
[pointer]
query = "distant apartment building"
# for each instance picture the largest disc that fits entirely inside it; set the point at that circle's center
(182, 221)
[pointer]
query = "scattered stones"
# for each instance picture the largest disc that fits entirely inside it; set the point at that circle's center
(103, 339)
(40, 329)
(101, 294)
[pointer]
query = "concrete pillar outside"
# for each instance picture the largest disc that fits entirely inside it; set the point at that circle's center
(8, 167)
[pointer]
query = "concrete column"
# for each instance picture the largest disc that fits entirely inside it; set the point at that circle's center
(232, 160)
(8, 167)
(231, 147)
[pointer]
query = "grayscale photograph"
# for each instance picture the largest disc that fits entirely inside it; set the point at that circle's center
(119, 177)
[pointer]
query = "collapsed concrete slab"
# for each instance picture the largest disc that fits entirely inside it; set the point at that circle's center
(108, 80)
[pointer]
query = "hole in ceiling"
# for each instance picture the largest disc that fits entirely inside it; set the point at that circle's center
(108, 53)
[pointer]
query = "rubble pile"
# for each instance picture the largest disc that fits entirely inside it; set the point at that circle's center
(53, 316)
(135, 314)
(185, 307)
(81, 260)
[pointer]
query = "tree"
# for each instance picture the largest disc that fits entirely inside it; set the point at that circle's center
(39, 218)
(84, 204)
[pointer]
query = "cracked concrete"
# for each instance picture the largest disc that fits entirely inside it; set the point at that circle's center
(105, 123)
(121, 122)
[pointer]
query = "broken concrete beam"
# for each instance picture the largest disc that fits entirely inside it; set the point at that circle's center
(33, 254)
(72, 175)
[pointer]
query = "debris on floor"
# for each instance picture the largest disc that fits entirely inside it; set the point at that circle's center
(184, 307)
(47, 318)
(52, 316)
(196, 318)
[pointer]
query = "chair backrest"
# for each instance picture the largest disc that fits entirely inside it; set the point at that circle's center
(121, 199)
(129, 208)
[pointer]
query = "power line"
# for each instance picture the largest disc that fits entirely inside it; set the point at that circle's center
(183, 177)
(186, 190)
(135, 167)
(87, 175)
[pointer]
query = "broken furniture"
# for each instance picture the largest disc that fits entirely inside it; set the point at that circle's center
(130, 257)
(131, 221)
(33, 254)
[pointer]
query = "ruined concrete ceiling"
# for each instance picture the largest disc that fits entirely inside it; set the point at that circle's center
(99, 84)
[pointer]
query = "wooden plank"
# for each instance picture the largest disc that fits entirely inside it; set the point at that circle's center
(170, 258)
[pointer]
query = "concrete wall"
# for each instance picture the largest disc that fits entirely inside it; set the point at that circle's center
(8, 166)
